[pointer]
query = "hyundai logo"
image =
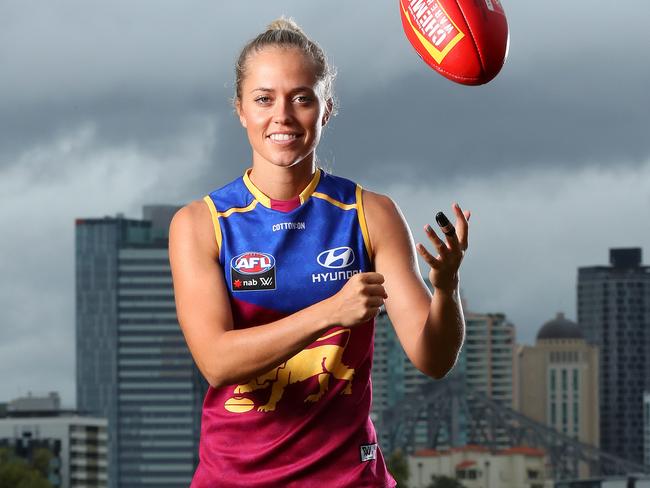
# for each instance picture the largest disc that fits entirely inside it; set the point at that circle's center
(339, 257)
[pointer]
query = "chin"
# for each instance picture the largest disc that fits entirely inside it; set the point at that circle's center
(287, 162)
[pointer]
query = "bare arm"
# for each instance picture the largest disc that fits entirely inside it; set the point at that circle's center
(430, 328)
(225, 355)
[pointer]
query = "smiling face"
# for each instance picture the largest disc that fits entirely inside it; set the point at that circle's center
(281, 106)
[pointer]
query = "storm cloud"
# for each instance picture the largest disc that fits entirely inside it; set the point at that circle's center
(108, 107)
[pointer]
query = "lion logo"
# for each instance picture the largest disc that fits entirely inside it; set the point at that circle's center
(322, 360)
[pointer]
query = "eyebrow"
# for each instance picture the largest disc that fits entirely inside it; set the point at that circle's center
(297, 89)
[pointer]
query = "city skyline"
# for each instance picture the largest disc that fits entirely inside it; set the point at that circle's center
(130, 107)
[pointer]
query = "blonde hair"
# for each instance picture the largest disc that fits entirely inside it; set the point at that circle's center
(284, 32)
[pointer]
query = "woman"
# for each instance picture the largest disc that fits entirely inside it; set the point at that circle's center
(278, 277)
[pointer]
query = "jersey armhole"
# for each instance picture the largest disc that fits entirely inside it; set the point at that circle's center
(362, 222)
(215, 222)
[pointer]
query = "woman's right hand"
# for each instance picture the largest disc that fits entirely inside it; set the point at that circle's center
(359, 300)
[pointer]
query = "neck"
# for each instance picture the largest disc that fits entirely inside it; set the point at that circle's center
(281, 183)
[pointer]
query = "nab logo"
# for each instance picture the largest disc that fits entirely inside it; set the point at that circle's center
(252, 263)
(339, 257)
(252, 271)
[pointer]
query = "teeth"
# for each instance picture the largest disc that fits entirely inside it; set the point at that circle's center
(282, 137)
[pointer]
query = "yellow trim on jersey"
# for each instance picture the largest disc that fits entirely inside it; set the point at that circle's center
(362, 222)
(344, 206)
(233, 210)
(266, 201)
(309, 190)
(215, 221)
(259, 196)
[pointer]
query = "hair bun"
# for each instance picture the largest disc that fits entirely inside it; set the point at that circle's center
(285, 23)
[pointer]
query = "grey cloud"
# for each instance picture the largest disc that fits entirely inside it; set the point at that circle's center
(105, 107)
(139, 76)
(422, 125)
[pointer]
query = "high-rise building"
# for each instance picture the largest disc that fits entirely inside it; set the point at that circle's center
(388, 367)
(76, 445)
(646, 428)
(614, 313)
(133, 365)
(489, 352)
(558, 380)
(487, 358)
(393, 376)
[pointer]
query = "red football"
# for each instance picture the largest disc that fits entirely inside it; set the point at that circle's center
(463, 40)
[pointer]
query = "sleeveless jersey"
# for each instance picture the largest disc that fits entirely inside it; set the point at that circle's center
(306, 422)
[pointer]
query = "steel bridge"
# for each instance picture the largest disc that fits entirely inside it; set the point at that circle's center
(456, 415)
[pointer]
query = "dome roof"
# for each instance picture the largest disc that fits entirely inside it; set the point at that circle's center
(560, 328)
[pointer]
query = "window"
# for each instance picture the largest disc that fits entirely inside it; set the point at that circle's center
(533, 474)
(552, 380)
(553, 416)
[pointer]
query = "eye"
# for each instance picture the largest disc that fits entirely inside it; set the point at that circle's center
(263, 99)
(303, 99)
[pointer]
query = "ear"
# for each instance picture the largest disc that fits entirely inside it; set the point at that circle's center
(329, 106)
(242, 119)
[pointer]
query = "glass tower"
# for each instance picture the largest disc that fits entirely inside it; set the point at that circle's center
(614, 312)
(133, 365)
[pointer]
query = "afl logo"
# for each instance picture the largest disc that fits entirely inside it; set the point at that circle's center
(339, 257)
(252, 263)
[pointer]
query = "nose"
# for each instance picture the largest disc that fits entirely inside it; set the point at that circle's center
(283, 111)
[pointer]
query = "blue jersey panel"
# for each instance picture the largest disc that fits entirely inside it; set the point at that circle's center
(287, 261)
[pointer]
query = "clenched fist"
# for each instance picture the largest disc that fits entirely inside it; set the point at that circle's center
(359, 300)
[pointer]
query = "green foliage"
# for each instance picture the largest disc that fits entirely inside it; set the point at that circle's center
(441, 481)
(16, 473)
(5, 455)
(41, 460)
(399, 468)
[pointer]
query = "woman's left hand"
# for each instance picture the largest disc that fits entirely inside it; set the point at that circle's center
(444, 266)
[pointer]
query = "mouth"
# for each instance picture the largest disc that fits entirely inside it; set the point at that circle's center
(283, 137)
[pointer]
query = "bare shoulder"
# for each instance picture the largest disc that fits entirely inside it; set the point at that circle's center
(380, 206)
(383, 216)
(192, 223)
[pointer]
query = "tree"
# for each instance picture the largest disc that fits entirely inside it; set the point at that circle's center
(441, 481)
(399, 468)
(41, 459)
(16, 473)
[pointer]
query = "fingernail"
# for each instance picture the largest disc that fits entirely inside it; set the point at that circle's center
(442, 220)
(429, 229)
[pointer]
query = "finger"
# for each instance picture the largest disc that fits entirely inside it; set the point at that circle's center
(428, 257)
(370, 277)
(462, 227)
(449, 231)
(376, 290)
(375, 302)
(440, 246)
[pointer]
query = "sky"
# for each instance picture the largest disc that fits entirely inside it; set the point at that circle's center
(109, 106)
